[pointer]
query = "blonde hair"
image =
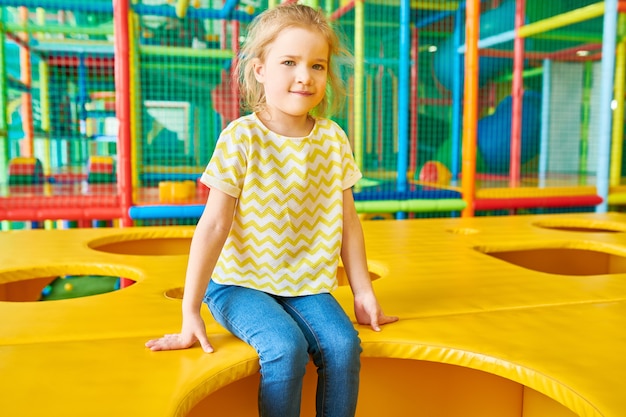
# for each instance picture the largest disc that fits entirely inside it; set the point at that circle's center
(262, 32)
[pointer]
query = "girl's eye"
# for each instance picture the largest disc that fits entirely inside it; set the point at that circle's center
(319, 67)
(289, 63)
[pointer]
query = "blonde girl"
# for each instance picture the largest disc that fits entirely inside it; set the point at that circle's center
(280, 214)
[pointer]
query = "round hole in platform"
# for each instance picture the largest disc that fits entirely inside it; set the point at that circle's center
(175, 293)
(565, 260)
(463, 231)
(53, 284)
(581, 225)
(143, 246)
(475, 393)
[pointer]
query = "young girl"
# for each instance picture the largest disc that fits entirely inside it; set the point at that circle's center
(280, 213)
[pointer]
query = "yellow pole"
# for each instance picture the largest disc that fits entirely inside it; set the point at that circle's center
(136, 103)
(564, 19)
(618, 114)
(435, 5)
(44, 100)
(432, 5)
(28, 148)
(181, 8)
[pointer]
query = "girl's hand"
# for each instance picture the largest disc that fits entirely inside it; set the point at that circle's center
(368, 311)
(193, 331)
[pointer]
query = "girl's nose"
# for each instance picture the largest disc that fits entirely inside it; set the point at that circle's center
(303, 75)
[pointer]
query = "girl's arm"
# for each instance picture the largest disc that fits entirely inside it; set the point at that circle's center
(366, 307)
(206, 245)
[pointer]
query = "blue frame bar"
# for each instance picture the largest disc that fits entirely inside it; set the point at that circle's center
(192, 211)
(609, 43)
(503, 37)
(546, 94)
(403, 94)
(100, 7)
(457, 98)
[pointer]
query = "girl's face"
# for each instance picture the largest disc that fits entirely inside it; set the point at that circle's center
(294, 72)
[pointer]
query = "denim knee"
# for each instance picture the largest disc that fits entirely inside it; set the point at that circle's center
(284, 358)
(345, 351)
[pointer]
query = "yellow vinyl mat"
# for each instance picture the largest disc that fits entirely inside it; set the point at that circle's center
(520, 316)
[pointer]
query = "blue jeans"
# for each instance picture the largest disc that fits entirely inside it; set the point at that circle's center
(285, 331)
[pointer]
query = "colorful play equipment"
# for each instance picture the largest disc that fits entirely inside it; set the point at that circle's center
(511, 34)
(177, 191)
(101, 169)
(496, 21)
(25, 171)
(86, 136)
(495, 147)
(510, 316)
(153, 96)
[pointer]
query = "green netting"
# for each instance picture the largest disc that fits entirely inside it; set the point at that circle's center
(70, 53)
(180, 99)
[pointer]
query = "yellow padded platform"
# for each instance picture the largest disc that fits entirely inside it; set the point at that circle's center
(505, 316)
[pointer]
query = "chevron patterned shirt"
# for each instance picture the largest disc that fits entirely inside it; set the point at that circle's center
(288, 222)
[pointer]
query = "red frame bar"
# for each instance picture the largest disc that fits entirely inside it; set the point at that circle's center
(90, 62)
(536, 202)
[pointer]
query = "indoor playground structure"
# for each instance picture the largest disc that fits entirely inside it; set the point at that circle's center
(492, 131)
(119, 104)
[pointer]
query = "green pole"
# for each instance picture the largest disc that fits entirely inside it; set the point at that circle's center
(330, 7)
(170, 51)
(4, 104)
(584, 122)
(617, 137)
(136, 102)
(311, 3)
(184, 67)
(4, 124)
(359, 77)
(63, 30)
(412, 206)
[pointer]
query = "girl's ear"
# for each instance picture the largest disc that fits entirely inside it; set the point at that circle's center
(259, 70)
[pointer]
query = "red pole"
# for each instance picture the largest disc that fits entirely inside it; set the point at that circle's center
(517, 95)
(342, 10)
(122, 108)
(414, 100)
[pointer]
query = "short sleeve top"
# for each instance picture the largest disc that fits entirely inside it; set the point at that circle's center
(288, 222)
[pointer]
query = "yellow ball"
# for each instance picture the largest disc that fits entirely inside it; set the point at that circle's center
(68, 287)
